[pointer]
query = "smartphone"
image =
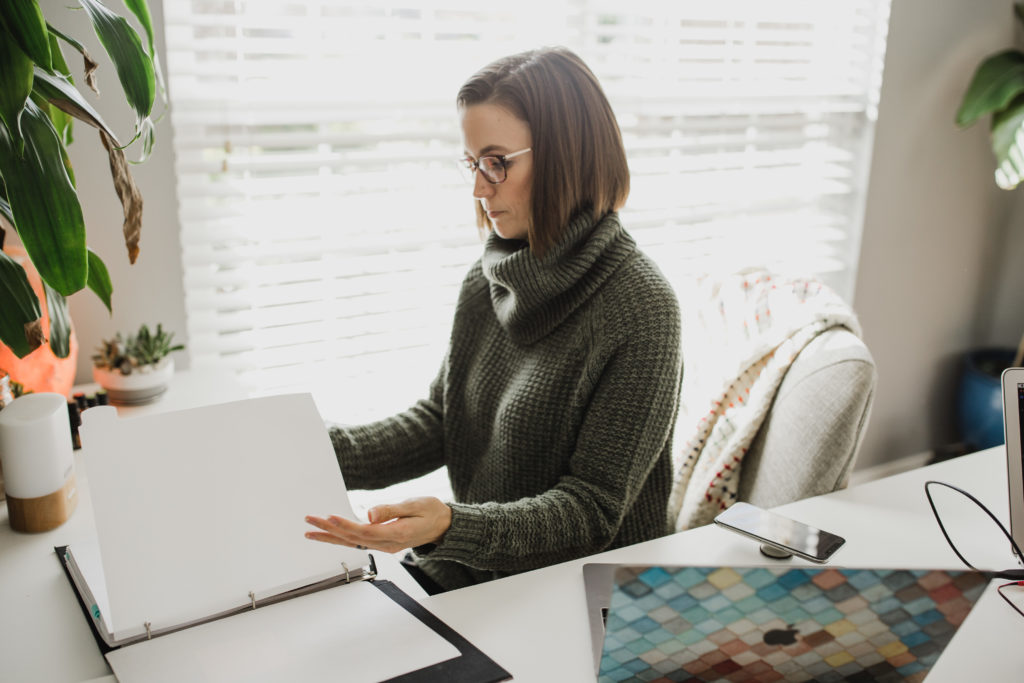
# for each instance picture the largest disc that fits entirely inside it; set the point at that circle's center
(782, 536)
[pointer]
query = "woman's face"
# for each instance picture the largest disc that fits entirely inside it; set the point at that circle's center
(490, 130)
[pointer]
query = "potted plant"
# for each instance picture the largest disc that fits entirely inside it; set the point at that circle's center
(137, 369)
(39, 100)
(996, 89)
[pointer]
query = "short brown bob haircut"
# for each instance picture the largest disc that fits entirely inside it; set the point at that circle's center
(579, 162)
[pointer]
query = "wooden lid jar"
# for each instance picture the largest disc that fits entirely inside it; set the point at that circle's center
(38, 465)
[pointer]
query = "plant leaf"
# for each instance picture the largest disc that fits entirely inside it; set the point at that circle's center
(996, 82)
(5, 213)
(24, 21)
(141, 11)
(128, 193)
(60, 322)
(90, 64)
(59, 91)
(147, 134)
(46, 211)
(56, 117)
(134, 67)
(62, 121)
(1007, 139)
(15, 86)
(20, 324)
(57, 56)
(99, 280)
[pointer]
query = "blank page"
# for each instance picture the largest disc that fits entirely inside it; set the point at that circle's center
(351, 633)
(196, 508)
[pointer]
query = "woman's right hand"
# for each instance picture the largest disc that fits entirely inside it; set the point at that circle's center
(392, 528)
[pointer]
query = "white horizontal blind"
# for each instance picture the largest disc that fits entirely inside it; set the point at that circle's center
(325, 230)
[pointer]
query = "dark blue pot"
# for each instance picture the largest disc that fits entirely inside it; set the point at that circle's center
(980, 397)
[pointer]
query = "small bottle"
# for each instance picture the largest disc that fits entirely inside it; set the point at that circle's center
(75, 421)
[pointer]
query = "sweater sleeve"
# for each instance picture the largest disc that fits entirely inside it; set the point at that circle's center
(626, 429)
(395, 449)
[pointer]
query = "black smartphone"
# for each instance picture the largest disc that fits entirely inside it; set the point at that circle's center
(786, 536)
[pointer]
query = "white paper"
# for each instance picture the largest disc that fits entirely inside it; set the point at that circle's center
(325, 636)
(196, 508)
(90, 565)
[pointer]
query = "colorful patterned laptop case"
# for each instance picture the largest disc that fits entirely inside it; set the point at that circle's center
(781, 624)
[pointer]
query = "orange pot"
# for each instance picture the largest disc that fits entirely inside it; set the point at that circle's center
(40, 370)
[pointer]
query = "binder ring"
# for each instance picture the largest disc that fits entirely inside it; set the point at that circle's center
(149, 635)
(343, 564)
(252, 597)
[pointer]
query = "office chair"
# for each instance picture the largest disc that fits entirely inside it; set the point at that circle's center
(777, 391)
(809, 440)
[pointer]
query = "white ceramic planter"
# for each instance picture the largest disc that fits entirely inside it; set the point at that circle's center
(144, 384)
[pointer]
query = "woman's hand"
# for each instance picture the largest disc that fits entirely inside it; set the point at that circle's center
(392, 528)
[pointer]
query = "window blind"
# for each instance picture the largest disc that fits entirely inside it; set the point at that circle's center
(325, 229)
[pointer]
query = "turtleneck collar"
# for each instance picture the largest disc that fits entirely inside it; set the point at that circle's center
(531, 296)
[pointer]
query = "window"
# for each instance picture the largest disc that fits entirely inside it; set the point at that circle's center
(325, 229)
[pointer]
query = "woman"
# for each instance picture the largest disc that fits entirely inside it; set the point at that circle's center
(554, 406)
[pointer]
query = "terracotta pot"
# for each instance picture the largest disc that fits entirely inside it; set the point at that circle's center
(41, 370)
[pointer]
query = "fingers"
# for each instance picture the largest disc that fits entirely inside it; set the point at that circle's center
(385, 513)
(413, 507)
(392, 528)
(345, 532)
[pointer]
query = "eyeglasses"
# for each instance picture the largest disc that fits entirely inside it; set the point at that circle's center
(491, 167)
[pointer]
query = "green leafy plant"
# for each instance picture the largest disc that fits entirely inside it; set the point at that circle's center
(997, 88)
(38, 102)
(145, 348)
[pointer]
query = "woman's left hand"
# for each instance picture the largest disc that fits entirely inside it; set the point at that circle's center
(392, 528)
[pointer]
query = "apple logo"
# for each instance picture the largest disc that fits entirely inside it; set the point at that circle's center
(781, 636)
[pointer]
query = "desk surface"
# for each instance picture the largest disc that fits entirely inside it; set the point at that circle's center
(535, 624)
(43, 634)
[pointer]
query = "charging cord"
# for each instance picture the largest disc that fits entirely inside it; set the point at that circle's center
(1015, 576)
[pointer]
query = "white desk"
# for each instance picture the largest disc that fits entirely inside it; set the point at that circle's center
(44, 635)
(535, 624)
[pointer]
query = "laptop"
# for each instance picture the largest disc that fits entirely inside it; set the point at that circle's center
(773, 624)
(1013, 430)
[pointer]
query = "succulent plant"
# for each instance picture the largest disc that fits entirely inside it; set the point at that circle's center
(144, 348)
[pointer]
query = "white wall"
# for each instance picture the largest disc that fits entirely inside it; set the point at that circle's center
(151, 291)
(930, 285)
(934, 223)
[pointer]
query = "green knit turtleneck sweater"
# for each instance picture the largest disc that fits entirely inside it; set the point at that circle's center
(553, 409)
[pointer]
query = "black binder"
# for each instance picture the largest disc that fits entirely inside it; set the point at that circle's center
(471, 666)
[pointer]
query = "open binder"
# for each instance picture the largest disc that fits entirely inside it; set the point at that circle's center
(200, 551)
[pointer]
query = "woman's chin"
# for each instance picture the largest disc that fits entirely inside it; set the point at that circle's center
(507, 233)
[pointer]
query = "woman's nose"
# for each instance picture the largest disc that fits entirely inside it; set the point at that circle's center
(481, 187)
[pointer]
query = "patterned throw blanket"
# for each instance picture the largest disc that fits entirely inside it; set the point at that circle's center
(753, 325)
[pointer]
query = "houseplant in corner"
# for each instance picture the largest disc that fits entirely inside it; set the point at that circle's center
(39, 100)
(997, 89)
(137, 369)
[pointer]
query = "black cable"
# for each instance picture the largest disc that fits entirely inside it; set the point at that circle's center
(1012, 574)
